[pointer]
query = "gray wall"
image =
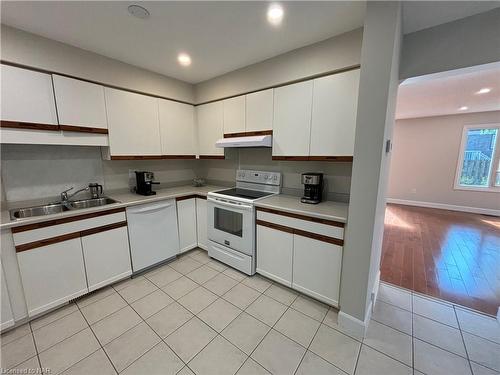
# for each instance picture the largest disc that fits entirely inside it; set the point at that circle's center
(375, 117)
(38, 52)
(329, 55)
(36, 171)
(466, 42)
(423, 166)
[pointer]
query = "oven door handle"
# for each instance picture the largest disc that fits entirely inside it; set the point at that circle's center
(228, 204)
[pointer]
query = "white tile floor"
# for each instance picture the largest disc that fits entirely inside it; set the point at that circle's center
(196, 316)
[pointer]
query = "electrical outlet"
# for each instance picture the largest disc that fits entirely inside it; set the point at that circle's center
(414, 190)
(131, 179)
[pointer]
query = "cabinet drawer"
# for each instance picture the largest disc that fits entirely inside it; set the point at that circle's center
(64, 226)
(303, 225)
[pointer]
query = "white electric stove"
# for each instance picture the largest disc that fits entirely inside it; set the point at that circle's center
(231, 218)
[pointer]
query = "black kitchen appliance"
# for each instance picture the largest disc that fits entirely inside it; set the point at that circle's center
(313, 187)
(144, 181)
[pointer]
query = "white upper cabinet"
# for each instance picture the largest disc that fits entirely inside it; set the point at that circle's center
(133, 123)
(292, 119)
(177, 128)
(210, 128)
(259, 111)
(80, 103)
(234, 115)
(335, 103)
(27, 96)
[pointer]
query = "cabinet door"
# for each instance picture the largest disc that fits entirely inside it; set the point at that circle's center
(6, 315)
(259, 111)
(335, 104)
(201, 222)
(274, 254)
(316, 268)
(80, 103)
(234, 115)
(133, 123)
(107, 257)
(27, 96)
(210, 125)
(186, 218)
(177, 128)
(292, 119)
(52, 275)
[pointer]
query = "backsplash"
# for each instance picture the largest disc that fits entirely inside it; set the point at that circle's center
(337, 176)
(39, 171)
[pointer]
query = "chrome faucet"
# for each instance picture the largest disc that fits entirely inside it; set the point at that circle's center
(65, 197)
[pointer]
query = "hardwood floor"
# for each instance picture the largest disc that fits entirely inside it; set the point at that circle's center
(446, 254)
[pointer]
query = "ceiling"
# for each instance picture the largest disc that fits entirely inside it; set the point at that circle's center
(219, 36)
(444, 93)
(419, 15)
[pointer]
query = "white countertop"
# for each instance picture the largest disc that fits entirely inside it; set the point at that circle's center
(329, 210)
(125, 199)
(325, 210)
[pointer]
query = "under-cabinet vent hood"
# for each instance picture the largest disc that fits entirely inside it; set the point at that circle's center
(249, 141)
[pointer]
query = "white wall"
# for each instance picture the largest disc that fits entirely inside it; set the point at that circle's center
(34, 51)
(424, 161)
(466, 42)
(375, 116)
(332, 54)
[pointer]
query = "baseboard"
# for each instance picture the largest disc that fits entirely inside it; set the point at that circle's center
(353, 326)
(451, 207)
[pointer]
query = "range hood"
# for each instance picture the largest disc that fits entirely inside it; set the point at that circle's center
(248, 141)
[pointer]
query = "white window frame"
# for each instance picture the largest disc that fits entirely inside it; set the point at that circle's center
(496, 157)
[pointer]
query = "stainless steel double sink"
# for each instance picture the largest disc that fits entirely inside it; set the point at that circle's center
(58, 207)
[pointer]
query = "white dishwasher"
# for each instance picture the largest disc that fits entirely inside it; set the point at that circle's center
(153, 233)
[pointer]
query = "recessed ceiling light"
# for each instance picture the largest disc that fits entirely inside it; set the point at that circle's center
(484, 90)
(138, 11)
(463, 108)
(275, 14)
(184, 59)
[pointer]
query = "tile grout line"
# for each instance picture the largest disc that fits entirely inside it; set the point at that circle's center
(99, 342)
(412, 336)
(463, 340)
(36, 348)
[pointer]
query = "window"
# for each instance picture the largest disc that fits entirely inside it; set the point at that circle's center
(479, 163)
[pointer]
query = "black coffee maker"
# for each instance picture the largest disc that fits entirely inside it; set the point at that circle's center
(145, 182)
(313, 187)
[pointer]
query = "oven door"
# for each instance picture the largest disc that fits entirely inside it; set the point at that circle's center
(231, 223)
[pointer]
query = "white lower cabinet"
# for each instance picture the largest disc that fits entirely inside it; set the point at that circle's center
(6, 314)
(186, 218)
(201, 222)
(52, 275)
(274, 254)
(316, 268)
(107, 257)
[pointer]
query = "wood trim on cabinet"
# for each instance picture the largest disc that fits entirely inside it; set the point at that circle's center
(332, 223)
(314, 158)
(104, 228)
(136, 157)
(212, 157)
(83, 129)
(331, 158)
(274, 226)
(190, 196)
(28, 125)
(299, 232)
(69, 236)
(248, 134)
(47, 241)
(178, 156)
(49, 223)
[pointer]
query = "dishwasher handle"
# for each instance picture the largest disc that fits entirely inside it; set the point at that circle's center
(149, 208)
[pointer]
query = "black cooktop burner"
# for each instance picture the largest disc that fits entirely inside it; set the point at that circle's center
(244, 193)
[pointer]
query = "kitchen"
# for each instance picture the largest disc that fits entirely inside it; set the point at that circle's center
(158, 222)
